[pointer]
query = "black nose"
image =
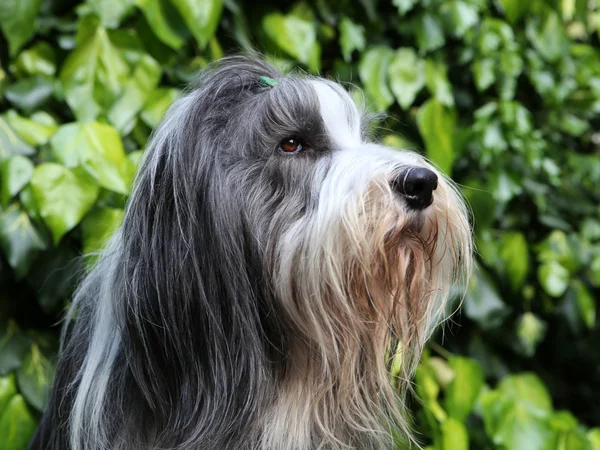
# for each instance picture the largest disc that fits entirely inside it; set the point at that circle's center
(416, 184)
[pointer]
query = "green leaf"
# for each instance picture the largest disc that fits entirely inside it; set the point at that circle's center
(35, 377)
(294, 35)
(373, 68)
(17, 424)
(437, 125)
(483, 73)
(98, 148)
(201, 16)
(548, 36)
(30, 93)
(15, 173)
(586, 303)
(407, 76)
(404, 5)
(520, 428)
(352, 37)
(464, 389)
(530, 331)
(164, 20)
(94, 74)
(516, 413)
(514, 9)
(111, 12)
(13, 347)
(8, 389)
(20, 240)
(158, 103)
(37, 60)
(99, 226)
(529, 390)
(436, 79)
(430, 34)
(17, 21)
(554, 278)
(63, 196)
(33, 132)
(462, 17)
(594, 437)
(483, 304)
(137, 90)
(454, 435)
(515, 254)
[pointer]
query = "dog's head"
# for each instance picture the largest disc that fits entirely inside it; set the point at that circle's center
(273, 259)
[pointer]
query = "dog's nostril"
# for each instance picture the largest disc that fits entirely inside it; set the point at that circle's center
(416, 184)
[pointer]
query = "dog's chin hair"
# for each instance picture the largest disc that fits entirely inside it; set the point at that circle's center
(375, 281)
(253, 300)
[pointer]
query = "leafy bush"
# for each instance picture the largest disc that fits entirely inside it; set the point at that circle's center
(503, 95)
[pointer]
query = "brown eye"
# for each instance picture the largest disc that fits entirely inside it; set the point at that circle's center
(290, 145)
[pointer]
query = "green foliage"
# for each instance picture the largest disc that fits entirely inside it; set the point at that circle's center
(503, 96)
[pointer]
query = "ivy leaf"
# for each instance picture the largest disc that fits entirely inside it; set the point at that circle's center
(158, 103)
(294, 35)
(462, 17)
(373, 71)
(63, 196)
(404, 6)
(464, 388)
(430, 34)
(17, 21)
(407, 76)
(585, 303)
(554, 278)
(94, 73)
(15, 173)
(20, 240)
(36, 130)
(484, 73)
(528, 389)
(483, 304)
(352, 37)
(39, 59)
(515, 254)
(514, 9)
(17, 424)
(516, 413)
(436, 78)
(135, 94)
(437, 126)
(164, 20)
(98, 148)
(454, 435)
(30, 93)
(99, 226)
(11, 144)
(8, 389)
(35, 376)
(13, 347)
(548, 36)
(201, 16)
(111, 12)
(530, 331)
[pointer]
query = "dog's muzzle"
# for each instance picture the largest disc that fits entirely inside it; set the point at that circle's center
(416, 185)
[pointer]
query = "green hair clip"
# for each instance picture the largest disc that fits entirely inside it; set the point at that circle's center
(266, 81)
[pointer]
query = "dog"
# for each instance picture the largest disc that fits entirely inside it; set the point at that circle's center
(272, 264)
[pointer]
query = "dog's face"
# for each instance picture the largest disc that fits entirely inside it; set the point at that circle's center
(357, 241)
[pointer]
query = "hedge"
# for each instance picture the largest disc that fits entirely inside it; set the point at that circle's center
(504, 96)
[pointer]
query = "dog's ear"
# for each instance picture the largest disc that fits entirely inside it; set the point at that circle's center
(167, 342)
